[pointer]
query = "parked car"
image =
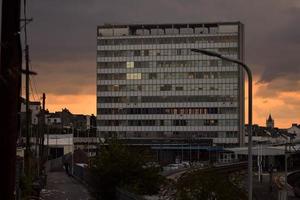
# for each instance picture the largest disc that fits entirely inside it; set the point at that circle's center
(186, 164)
(173, 166)
(152, 164)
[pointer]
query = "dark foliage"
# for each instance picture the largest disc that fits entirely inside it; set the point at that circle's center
(117, 166)
(207, 185)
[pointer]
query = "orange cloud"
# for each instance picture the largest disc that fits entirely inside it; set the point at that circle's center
(77, 104)
(284, 106)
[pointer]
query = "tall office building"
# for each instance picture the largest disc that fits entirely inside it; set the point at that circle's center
(151, 87)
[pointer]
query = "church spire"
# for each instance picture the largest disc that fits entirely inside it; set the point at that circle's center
(270, 122)
(270, 117)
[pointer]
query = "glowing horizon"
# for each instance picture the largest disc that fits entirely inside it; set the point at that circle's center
(262, 106)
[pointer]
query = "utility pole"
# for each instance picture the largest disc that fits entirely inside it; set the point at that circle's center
(44, 102)
(10, 88)
(28, 114)
(27, 127)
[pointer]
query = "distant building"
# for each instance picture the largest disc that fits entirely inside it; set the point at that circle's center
(81, 128)
(59, 122)
(53, 118)
(270, 122)
(295, 129)
(152, 89)
(64, 122)
(60, 127)
(263, 134)
(34, 109)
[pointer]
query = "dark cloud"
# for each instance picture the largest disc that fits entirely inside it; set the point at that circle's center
(63, 35)
(65, 78)
(277, 86)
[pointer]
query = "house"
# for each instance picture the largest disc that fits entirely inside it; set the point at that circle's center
(295, 129)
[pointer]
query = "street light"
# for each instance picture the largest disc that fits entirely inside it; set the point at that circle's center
(249, 73)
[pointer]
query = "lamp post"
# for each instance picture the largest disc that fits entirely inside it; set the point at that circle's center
(249, 73)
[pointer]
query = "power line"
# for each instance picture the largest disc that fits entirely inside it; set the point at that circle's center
(35, 87)
(32, 92)
(34, 83)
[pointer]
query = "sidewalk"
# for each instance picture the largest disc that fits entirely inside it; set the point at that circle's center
(62, 187)
(261, 190)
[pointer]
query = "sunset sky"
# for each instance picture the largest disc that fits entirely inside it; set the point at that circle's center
(62, 39)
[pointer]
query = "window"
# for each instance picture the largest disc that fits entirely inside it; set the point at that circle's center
(130, 64)
(166, 88)
(146, 52)
(191, 75)
(179, 88)
(115, 88)
(152, 75)
(213, 63)
(137, 53)
(134, 76)
(139, 87)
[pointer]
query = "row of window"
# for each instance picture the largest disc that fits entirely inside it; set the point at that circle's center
(167, 111)
(169, 87)
(161, 52)
(177, 122)
(169, 99)
(169, 40)
(163, 64)
(168, 75)
(200, 134)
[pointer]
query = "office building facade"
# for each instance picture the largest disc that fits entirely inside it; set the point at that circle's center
(151, 86)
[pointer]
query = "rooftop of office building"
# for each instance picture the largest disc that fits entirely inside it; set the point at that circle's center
(166, 29)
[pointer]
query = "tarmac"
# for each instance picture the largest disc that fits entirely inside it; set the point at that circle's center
(60, 186)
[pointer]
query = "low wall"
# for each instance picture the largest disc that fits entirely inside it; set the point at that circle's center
(54, 165)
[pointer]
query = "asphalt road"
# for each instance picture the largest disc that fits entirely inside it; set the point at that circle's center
(62, 187)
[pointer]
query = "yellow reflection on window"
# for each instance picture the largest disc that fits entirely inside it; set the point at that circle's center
(134, 76)
(130, 64)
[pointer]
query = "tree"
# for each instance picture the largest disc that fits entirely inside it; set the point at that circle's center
(118, 166)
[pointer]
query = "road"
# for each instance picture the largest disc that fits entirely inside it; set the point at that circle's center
(62, 187)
